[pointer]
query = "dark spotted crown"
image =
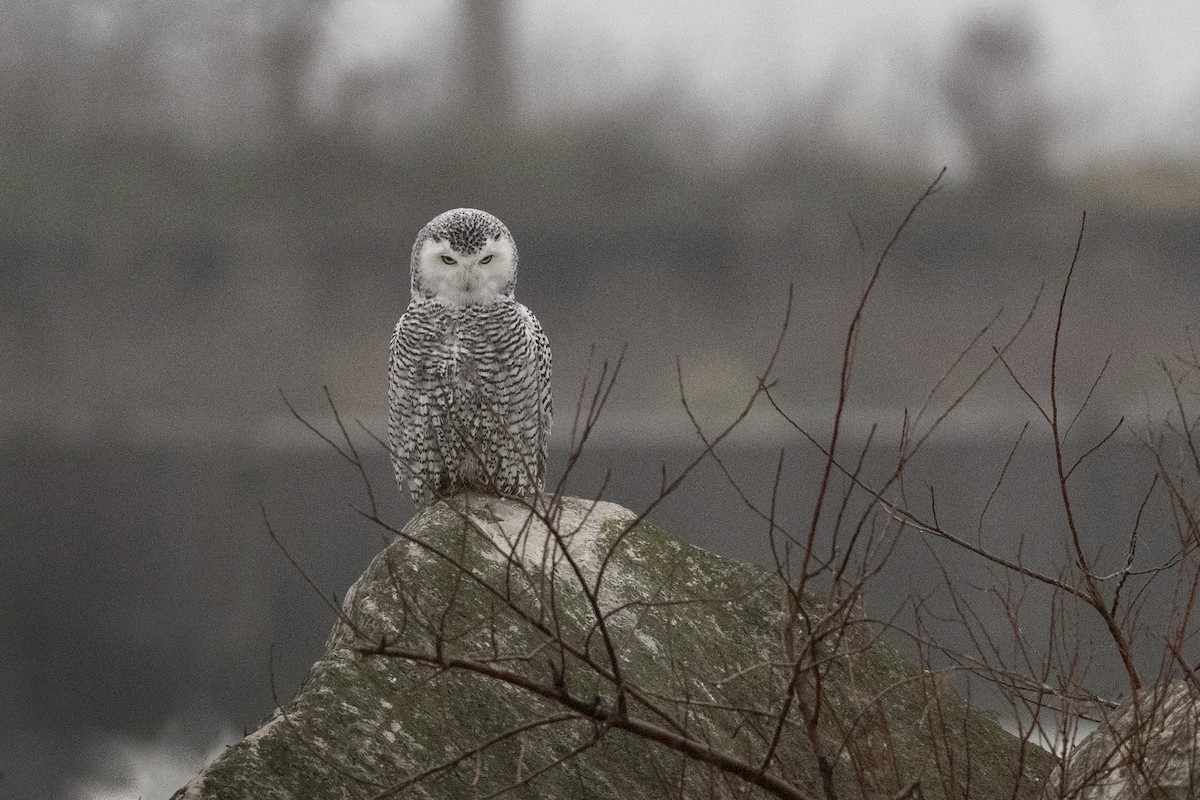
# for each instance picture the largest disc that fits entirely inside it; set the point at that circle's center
(466, 229)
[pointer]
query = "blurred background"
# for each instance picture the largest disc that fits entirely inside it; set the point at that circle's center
(205, 203)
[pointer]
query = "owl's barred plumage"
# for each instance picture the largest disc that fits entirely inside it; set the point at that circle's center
(469, 374)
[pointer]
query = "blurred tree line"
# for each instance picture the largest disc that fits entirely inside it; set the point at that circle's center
(186, 212)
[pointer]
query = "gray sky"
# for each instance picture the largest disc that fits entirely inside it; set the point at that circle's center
(1124, 75)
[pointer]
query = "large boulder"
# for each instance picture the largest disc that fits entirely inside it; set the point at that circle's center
(469, 660)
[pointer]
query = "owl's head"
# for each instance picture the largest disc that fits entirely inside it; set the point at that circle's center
(464, 257)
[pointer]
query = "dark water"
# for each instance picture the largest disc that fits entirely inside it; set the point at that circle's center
(139, 585)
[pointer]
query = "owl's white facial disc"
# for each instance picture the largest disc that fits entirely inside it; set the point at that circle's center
(462, 280)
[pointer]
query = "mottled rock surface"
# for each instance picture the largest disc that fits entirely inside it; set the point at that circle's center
(1148, 753)
(698, 633)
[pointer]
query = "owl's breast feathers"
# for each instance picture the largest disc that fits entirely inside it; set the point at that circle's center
(470, 398)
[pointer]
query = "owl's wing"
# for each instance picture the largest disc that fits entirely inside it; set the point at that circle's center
(416, 396)
(514, 373)
(543, 362)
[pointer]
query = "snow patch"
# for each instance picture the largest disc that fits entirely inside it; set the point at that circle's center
(649, 642)
(519, 534)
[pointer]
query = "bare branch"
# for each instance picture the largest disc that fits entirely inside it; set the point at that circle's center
(682, 743)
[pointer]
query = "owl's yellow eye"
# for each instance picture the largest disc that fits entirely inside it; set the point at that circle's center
(448, 260)
(485, 259)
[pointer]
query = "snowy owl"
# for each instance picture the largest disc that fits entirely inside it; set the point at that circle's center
(469, 376)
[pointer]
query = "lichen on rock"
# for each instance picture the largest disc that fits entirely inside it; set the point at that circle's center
(697, 645)
(1144, 751)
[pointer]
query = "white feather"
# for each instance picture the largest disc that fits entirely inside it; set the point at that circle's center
(467, 281)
